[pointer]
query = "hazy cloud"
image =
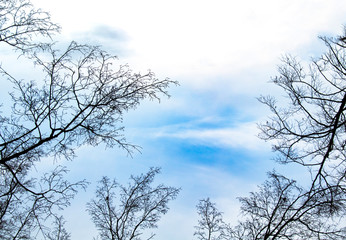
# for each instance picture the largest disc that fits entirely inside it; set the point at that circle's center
(108, 37)
(242, 136)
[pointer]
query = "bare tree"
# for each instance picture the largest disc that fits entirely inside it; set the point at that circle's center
(81, 100)
(79, 97)
(26, 205)
(20, 22)
(124, 212)
(210, 225)
(311, 130)
(59, 232)
(283, 210)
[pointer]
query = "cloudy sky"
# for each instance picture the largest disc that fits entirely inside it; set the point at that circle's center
(223, 53)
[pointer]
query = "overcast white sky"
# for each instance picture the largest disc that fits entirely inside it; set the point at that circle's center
(223, 53)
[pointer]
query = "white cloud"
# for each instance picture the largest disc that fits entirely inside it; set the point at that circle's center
(243, 136)
(225, 46)
(196, 38)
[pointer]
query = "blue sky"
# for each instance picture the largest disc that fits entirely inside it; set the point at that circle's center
(223, 53)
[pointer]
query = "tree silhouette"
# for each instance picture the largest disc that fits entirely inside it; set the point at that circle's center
(21, 23)
(309, 131)
(210, 225)
(283, 210)
(79, 97)
(123, 212)
(28, 204)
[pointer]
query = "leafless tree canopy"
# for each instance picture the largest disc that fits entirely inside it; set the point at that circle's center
(283, 210)
(123, 212)
(210, 225)
(311, 130)
(28, 204)
(59, 232)
(81, 100)
(20, 23)
(78, 97)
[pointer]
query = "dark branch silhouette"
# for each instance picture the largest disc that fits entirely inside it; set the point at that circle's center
(78, 97)
(310, 130)
(123, 212)
(283, 210)
(210, 225)
(21, 23)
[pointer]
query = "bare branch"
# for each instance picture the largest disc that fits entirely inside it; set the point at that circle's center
(124, 212)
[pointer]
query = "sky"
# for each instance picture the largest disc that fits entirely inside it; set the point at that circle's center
(223, 53)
